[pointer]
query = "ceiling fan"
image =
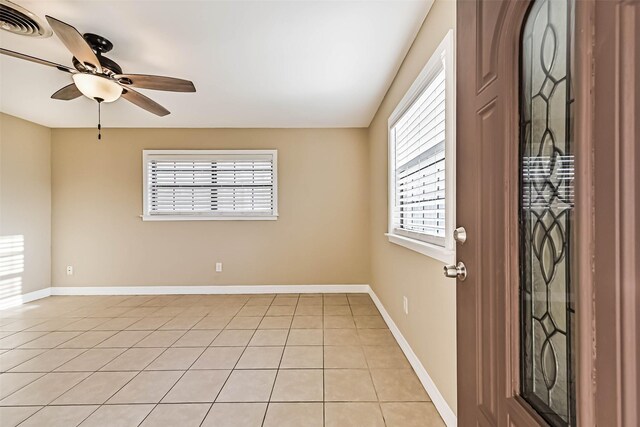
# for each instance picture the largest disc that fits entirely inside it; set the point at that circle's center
(100, 78)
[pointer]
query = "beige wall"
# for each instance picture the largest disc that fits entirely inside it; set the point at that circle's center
(320, 237)
(25, 207)
(430, 326)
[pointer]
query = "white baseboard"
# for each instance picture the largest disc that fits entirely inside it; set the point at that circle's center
(438, 400)
(24, 298)
(208, 290)
(441, 405)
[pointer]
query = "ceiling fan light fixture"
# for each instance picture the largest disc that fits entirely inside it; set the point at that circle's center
(97, 87)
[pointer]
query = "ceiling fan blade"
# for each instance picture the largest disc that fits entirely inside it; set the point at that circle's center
(143, 102)
(74, 41)
(145, 81)
(36, 60)
(67, 93)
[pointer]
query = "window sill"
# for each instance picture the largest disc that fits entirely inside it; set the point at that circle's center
(433, 251)
(207, 218)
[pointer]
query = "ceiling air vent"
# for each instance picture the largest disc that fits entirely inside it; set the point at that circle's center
(18, 20)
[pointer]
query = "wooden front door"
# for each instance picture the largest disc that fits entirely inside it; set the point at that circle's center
(548, 191)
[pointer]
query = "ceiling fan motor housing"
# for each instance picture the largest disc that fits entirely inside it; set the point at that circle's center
(99, 45)
(109, 66)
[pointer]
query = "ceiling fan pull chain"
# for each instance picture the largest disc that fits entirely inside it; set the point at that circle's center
(99, 126)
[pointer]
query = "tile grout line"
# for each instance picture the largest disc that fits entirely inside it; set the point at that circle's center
(177, 381)
(366, 360)
(156, 358)
(273, 386)
(236, 364)
(129, 348)
(324, 386)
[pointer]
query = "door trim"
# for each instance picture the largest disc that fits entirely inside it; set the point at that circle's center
(585, 297)
(614, 275)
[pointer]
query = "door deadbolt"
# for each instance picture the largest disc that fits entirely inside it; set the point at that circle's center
(460, 235)
(458, 271)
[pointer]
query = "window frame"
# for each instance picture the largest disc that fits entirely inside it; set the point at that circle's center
(445, 252)
(146, 154)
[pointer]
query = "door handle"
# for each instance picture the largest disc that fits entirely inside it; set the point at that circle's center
(458, 271)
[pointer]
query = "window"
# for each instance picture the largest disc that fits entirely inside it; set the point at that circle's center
(422, 160)
(210, 185)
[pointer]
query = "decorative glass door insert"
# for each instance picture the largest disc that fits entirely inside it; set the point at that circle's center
(546, 212)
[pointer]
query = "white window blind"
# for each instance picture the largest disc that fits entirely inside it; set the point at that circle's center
(210, 184)
(418, 138)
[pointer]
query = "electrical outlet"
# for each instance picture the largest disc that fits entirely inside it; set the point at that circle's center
(218, 267)
(405, 305)
(69, 270)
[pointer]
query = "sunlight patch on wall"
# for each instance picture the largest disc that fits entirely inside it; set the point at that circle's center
(11, 268)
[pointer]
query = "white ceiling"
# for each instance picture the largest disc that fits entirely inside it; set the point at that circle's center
(296, 63)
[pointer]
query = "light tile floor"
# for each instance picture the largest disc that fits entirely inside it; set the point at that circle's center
(193, 360)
